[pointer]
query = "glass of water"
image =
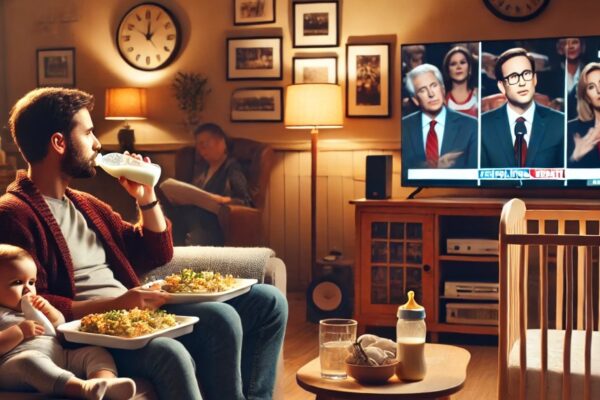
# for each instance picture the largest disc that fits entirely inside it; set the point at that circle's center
(335, 336)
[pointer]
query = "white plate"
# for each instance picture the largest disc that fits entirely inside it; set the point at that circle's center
(240, 287)
(72, 334)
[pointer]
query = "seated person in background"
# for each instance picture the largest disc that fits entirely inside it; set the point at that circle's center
(435, 136)
(31, 359)
(461, 94)
(583, 133)
(215, 172)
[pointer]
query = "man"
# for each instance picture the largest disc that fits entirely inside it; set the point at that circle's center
(89, 259)
(521, 133)
(435, 136)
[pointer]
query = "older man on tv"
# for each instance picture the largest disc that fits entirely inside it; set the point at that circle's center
(435, 136)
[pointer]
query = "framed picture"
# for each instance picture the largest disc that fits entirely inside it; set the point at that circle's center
(368, 80)
(257, 104)
(56, 67)
(254, 58)
(314, 70)
(253, 12)
(316, 24)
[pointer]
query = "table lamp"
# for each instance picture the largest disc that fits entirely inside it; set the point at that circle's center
(313, 106)
(125, 104)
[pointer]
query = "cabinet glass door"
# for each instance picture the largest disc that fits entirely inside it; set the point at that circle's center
(397, 248)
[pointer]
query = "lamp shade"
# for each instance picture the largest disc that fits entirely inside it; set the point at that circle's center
(313, 105)
(125, 103)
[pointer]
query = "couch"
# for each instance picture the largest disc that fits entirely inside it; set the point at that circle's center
(264, 265)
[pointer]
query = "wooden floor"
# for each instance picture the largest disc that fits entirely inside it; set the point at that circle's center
(301, 346)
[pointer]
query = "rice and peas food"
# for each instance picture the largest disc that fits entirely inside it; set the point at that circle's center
(189, 281)
(127, 323)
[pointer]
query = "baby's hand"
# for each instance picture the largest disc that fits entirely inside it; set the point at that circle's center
(31, 328)
(41, 304)
(38, 302)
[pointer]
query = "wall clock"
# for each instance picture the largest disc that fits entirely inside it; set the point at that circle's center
(148, 37)
(516, 10)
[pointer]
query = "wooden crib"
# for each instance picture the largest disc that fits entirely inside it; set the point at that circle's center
(549, 344)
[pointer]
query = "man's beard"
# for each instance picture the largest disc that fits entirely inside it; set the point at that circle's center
(75, 165)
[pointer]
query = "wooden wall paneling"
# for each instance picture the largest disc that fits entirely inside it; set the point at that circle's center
(322, 217)
(304, 225)
(396, 171)
(359, 158)
(291, 165)
(335, 213)
(277, 210)
(348, 216)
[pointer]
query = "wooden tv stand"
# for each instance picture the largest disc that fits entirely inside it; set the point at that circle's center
(401, 245)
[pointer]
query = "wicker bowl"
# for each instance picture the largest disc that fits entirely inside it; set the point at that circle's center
(372, 375)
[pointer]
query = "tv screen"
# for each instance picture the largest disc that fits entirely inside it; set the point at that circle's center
(502, 113)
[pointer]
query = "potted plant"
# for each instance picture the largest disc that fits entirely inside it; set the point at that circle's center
(190, 90)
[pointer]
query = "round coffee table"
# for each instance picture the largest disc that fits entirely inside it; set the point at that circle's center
(446, 374)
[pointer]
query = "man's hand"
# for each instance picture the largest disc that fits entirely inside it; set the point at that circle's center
(31, 328)
(449, 159)
(584, 145)
(143, 194)
(141, 298)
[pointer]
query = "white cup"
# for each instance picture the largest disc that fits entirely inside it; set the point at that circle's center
(335, 336)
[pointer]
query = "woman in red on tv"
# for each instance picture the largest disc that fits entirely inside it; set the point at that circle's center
(461, 93)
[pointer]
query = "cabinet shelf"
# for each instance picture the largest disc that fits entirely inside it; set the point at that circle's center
(467, 299)
(465, 258)
(464, 328)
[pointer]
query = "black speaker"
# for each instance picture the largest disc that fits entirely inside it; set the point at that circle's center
(331, 293)
(379, 177)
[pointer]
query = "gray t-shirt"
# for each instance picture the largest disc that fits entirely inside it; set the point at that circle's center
(93, 277)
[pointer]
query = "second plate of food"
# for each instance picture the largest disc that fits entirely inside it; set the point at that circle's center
(239, 287)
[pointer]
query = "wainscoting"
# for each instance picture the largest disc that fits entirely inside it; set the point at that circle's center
(340, 178)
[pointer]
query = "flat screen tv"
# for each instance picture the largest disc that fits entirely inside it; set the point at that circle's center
(502, 113)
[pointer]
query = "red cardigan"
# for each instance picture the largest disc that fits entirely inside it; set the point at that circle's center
(26, 221)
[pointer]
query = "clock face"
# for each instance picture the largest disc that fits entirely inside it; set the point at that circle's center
(148, 37)
(516, 10)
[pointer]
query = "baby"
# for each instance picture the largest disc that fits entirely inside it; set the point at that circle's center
(30, 359)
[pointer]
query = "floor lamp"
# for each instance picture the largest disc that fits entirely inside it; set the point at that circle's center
(313, 106)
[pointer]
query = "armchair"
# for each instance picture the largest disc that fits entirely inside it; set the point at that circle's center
(241, 226)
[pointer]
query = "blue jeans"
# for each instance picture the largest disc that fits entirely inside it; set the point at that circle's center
(236, 344)
(165, 363)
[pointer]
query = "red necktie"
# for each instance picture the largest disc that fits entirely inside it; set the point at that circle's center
(431, 146)
(520, 132)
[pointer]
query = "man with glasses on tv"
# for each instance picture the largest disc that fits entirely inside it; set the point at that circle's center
(521, 133)
(435, 136)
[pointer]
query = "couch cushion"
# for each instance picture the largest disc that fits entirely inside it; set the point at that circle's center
(244, 262)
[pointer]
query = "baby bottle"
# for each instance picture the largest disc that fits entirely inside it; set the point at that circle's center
(118, 165)
(410, 339)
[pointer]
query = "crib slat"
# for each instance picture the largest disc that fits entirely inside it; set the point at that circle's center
(543, 256)
(566, 387)
(522, 327)
(580, 283)
(560, 279)
(589, 326)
